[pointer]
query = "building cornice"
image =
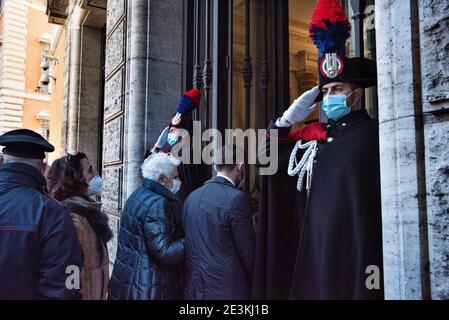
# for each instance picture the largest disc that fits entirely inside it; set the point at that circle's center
(37, 6)
(14, 93)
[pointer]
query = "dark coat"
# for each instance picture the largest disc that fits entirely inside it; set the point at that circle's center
(150, 249)
(337, 230)
(342, 228)
(219, 242)
(193, 177)
(38, 240)
(281, 208)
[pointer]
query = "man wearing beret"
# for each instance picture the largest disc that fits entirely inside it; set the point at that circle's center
(40, 256)
(319, 227)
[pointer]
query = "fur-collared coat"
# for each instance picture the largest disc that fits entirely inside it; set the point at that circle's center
(91, 225)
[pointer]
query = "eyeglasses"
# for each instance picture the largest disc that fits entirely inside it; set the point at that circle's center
(75, 156)
(71, 157)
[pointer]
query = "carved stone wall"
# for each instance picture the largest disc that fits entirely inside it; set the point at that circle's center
(412, 51)
(142, 90)
(434, 38)
(114, 110)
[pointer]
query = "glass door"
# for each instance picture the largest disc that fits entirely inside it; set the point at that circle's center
(251, 58)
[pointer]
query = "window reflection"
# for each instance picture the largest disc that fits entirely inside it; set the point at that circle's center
(240, 117)
(369, 48)
(303, 53)
(369, 41)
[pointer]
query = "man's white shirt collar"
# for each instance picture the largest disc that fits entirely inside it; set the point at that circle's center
(227, 178)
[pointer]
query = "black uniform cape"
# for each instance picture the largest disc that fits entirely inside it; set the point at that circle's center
(277, 231)
(336, 233)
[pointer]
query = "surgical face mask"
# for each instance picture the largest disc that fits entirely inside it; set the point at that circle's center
(172, 139)
(95, 186)
(176, 186)
(335, 106)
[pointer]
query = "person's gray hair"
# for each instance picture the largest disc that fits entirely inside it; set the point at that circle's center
(36, 163)
(157, 164)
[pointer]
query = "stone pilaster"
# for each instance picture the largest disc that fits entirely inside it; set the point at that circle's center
(401, 156)
(114, 110)
(66, 93)
(434, 43)
(413, 114)
(73, 121)
(137, 60)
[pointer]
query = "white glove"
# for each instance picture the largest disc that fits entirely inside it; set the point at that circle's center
(302, 107)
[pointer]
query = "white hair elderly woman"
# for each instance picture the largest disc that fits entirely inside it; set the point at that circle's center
(162, 168)
(150, 251)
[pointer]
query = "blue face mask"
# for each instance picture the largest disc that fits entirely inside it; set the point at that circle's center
(95, 186)
(335, 106)
(172, 139)
(176, 186)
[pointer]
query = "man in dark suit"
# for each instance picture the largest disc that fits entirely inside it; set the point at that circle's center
(219, 234)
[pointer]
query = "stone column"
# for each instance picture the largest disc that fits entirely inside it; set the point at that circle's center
(155, 78)
(413, 114)
(76, 20)
(137, 61)
(400, 151)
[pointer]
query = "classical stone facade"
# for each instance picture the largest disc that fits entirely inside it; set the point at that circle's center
(81, 113)
(13, 65)
(24, 40)
(143, 79)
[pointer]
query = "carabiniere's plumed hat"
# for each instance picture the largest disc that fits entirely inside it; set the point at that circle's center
(329, 30)
(183, 117)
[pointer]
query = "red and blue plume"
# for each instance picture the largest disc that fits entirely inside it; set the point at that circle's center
(330, 27)
(189, 101)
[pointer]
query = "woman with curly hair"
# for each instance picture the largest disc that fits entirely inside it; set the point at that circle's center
(73, 181)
